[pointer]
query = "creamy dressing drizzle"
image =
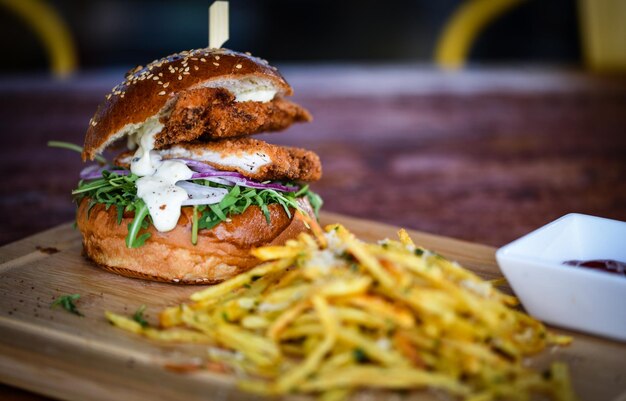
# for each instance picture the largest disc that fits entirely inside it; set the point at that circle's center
(157, 185)
(161, 194)
(260, 95)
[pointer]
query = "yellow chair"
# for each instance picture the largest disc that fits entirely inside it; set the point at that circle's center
(51, 30)
(603, 32)
(603, 28)
(462, 29)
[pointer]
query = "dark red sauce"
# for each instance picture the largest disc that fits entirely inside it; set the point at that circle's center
(607, 265)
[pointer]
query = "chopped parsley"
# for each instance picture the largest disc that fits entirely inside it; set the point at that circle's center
(67, 303)
(139, 318)
(359, 355)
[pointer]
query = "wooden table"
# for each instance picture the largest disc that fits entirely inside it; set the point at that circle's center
(484, 155)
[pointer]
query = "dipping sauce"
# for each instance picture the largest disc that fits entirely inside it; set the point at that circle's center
(607, 265)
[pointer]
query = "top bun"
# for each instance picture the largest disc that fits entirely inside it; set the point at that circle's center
(148, 90)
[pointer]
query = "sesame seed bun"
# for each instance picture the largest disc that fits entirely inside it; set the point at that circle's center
(148, 90)
(220, 253)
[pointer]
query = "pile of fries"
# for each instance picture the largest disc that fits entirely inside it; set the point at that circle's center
(330, 315)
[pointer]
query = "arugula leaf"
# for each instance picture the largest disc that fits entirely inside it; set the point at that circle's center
(139, 318)
(194, 226)
(141, 212)
(240, 198)
(316, 202)
(67, 303)
(76, 148)
(120, 213)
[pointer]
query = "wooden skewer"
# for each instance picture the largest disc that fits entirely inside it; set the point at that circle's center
(218, 24)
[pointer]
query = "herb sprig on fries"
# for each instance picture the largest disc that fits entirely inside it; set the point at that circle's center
(331, 315)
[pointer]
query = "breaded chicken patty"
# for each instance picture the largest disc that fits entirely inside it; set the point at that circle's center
(213, 113)
(252, 158)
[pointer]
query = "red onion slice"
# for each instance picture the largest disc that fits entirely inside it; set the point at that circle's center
(201, 194)
(202, 171)
(94, 172)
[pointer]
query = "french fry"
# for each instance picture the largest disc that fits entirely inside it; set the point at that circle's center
(170, 317)
(123, 322)
(405, 238)
(378, 306)
(178, 335)
(242, 279)
(371, 349)
(389, 378)
(293, 378)
(285, 318)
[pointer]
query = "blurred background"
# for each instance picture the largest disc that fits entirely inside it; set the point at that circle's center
(116, 33)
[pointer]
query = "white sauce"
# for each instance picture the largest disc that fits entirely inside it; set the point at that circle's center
(145, 162)
(161, 194)
(251, 161)
(383, 343)
(157, 185)
(260, 95)
(247, 89)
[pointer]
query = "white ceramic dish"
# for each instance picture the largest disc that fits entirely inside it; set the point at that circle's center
(573, 297)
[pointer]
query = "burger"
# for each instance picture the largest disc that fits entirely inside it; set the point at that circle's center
(192, 192)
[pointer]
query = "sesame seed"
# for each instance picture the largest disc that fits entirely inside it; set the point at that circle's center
(108, 96)
(216, 64)
(187, 69)
(162, 93)
(195, 67)
(238, 66)
(180, 77)
(217, 57)
(160, 74)
(155, 78)
(165, 85)
(248, 53)
(160, 83)
(186, 73)
(203, 60)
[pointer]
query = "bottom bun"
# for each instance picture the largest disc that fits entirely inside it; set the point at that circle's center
(220, 253)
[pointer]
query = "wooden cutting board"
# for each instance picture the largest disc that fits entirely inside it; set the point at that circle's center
(53, 352)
